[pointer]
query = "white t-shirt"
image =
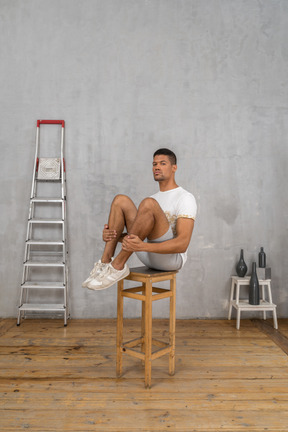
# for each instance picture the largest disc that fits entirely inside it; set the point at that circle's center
(177, 203)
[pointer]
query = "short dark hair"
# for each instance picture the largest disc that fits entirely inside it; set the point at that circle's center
(171, 155)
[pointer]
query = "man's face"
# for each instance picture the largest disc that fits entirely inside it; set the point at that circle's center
(162, 168)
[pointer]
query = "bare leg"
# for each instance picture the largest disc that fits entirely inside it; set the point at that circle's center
(122, 214)
(150, 221)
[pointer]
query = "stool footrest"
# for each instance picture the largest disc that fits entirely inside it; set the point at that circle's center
(134, 289)
(161, 295)
(245, 305)
(133, 342)
(134, 293)
(160, 352)
(133, 353)
(127, 348)
(159, 343)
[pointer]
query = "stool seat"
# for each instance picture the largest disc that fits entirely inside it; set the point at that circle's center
(147, 293)
(243, 305)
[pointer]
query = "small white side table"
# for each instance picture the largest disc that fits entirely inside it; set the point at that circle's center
(243, 305)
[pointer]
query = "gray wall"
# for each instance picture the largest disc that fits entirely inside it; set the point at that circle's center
(207, 78)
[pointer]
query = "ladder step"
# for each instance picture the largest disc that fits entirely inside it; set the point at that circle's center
(48, 243)
(43, 285)
(47, 200)
(46, 221)
(45, 255)
(42, 307)
(58, 180)
(30, 263)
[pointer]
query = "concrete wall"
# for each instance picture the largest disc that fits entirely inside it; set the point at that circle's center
(207, 78)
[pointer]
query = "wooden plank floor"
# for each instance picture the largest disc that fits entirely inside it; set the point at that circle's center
(56, 378)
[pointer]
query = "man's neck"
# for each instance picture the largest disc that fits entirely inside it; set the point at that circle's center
(166, 186)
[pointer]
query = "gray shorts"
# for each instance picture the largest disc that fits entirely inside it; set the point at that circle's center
(157, 261)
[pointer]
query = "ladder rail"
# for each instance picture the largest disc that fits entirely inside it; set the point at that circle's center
(35, 163)
(65, 230)
(63, 168)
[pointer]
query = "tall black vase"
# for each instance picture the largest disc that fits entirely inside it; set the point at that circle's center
(241, 267)
(254, 294)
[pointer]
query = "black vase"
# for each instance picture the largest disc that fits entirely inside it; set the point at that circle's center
(254, 294)
(241, 267)
(262, 258)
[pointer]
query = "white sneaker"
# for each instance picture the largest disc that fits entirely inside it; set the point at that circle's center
(108, 277)
(97, 269)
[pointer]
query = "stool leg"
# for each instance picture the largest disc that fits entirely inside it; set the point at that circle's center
(270, 301)
(231, 298)
(143, 324)
(119, 340)
(148, 333)
(269, 292)
(172, 326)
(238, 319)
(237, 292)
(275, 319)
(263, 298)
(237, 303)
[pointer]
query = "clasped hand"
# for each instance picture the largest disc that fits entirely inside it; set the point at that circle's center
(108, 234)
(130, 242)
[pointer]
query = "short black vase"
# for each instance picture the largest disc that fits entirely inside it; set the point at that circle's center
(241, 267)
(254, 294)
(262, 258)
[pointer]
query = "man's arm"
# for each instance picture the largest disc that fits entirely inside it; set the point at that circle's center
(179, 244)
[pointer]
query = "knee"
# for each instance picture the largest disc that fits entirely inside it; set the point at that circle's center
(121, 200)
(148, 204)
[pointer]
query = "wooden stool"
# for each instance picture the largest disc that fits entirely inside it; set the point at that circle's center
(147, 294)
(243, 305)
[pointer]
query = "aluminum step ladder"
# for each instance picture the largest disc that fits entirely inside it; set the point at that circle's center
(44, 286)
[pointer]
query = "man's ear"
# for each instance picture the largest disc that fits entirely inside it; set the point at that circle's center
(174, 168)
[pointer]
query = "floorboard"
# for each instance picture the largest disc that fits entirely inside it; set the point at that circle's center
(55, 378)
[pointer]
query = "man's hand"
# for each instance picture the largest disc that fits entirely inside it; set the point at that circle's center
(108, 234)
(132, 243)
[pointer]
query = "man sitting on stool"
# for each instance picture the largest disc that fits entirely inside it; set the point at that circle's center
(166, 219)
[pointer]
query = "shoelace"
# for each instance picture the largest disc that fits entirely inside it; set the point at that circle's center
(98, 267)
(105, 272)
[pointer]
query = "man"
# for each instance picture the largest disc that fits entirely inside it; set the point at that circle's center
(166, 219)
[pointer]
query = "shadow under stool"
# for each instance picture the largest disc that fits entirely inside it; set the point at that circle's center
(243, 305)
(147, 293)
